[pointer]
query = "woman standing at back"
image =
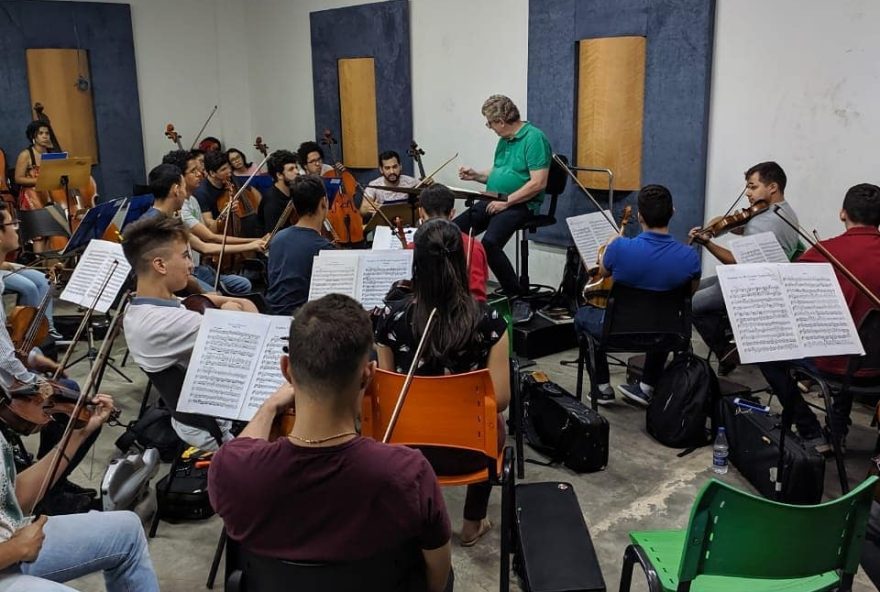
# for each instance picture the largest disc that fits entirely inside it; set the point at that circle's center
(466, 336)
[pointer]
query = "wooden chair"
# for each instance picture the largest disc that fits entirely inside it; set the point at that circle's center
(458, 412)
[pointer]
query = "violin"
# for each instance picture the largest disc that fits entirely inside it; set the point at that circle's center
(598, 288)
(28, 408)
(172, 135)
(721, 224)
(344, 216)
(416, 154)
(198, 303)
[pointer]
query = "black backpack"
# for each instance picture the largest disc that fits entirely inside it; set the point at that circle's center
(684, 399)
(152, 430)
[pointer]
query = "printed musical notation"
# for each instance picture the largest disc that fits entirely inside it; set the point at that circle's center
(90, 274)
(758, 248)
(366, 276)
(589, 232)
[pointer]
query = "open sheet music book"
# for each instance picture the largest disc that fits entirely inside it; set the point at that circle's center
(364, 275)
(384, 239)
(787, 311)
(91, 272)
(589, 232)
(234, 365)
(757, 248)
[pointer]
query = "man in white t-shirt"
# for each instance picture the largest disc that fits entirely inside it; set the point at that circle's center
(159, 331)
(389, 166)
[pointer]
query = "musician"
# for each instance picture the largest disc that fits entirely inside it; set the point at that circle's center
(311, 159)
(468, 336)
(858, 249)
(31, 286)
(519, 169)
(39, 135)
(651, 261)
(323, 493)
(292, 251)
(765, 182)
(283, 170)
(34, 552)
(238, 161)
(159, 331)
(437, 201)
(390, 176)
(210, 144)
(218, 173)
(169, 188)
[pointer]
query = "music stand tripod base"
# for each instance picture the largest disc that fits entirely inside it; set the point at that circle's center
(92, 352)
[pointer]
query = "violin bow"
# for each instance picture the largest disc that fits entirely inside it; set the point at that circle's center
(609, 218)
(435, 171)
(834, 261)
(467, 262)
(84, 394)
(201, 131)
(398, 407)
(228, 211)
(86, 318)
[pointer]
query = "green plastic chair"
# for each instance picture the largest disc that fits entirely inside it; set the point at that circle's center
(502, 306)
(738, 542)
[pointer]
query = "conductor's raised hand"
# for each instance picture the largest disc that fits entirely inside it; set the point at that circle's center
(467, 173)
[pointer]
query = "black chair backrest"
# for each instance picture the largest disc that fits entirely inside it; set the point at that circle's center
(169, 382)
(646, 320)
(398, 570)
(869, 333)
(556, 181)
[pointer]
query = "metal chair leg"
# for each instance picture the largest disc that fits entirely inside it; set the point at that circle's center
(145, 399)
(154, 525)
(508, 488)
(215, 564)
(835, 439)
(631, 555)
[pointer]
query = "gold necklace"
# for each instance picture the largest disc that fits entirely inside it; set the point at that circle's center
(322, 440)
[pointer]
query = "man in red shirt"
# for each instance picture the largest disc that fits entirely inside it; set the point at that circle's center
(438, 201)
(322, 492)
(858, 249)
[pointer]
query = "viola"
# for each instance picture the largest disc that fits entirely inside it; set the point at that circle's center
(721, 224)
(344, 216)
(598, 288)
(28, 408)
(198, 303)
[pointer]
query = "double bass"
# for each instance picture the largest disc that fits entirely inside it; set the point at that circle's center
(344, 216)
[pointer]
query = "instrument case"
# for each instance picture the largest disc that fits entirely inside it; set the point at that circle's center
(754, 450)
(553, 551)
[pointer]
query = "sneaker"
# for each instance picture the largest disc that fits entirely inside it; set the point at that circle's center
(634, 393)
(521, 311)
(603, 395)
(54, 334)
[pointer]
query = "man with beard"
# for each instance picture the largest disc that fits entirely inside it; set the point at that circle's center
(389, 166)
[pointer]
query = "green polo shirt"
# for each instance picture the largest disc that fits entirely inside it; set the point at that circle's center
(527, 151)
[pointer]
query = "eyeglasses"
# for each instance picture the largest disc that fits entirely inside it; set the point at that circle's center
(15, 224)
(490, 122)
(315, 161)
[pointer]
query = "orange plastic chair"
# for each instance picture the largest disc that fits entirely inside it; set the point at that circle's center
(456, 411)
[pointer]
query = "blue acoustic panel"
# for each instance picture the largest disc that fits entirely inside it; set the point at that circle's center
(678, 73)
(105, 31)
(379, 31)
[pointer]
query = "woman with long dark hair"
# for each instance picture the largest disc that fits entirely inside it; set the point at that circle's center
(466, 336)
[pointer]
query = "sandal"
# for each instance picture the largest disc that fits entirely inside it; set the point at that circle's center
(485, 526)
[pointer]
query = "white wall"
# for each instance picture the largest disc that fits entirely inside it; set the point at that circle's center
(795, 82)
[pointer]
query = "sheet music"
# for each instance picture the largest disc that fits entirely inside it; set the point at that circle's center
(378, 273)
(384, 239)
(758, 248)
(589, 232)
(787, 311)
(234, 365)
(366, 276)
(91, 272)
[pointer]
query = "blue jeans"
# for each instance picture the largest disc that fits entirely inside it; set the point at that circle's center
(79, 544)
(589, 320)
(30, 285)
(234, 284)
(499, 228)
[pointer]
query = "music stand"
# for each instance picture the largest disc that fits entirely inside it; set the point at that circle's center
(93, 225)
(64, 174)
(400, 209)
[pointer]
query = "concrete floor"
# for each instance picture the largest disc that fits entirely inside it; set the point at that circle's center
(645, 486)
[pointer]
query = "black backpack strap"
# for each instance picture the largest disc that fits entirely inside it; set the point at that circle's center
(201, 422)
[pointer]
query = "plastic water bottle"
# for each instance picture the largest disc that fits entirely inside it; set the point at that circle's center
(720, 450)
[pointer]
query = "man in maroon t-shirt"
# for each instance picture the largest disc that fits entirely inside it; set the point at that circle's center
(323, 493)
(858, 249)
(437, 201)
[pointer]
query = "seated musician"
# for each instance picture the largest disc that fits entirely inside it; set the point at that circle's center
(438, 201)
(292, 251)
(169, 189)
(520, 169)
(390, 176)
(159, 331)
(218, 174)
(283, 170)
(36, 551)
(765, 182)
(310, 157)
(239, 163)
(322, 493)
(30, 285)
(651, 261)
(858, 249)
(15, 374)
(468, 336)
(210, 144)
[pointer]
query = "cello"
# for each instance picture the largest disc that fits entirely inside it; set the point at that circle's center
(344, 216)
(172, 135)
(416, 154)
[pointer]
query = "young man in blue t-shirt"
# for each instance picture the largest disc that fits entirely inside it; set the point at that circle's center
(651, 261)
